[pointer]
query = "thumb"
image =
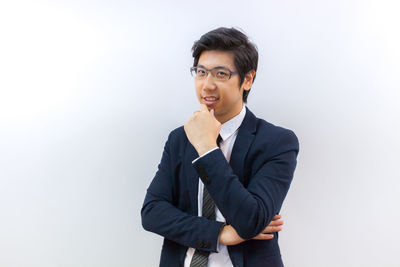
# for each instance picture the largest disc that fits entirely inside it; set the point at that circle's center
(203, 108)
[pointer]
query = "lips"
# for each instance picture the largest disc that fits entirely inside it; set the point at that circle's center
(210, 100)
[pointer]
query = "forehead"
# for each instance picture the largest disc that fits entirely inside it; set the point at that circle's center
(215, 58)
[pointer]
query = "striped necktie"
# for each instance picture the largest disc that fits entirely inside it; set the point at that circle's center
(200, 257)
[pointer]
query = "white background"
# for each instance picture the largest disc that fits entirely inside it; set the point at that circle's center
(89, 91)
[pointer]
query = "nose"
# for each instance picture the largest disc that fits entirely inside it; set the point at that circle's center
(209, 83)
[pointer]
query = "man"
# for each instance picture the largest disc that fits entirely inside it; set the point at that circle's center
(216, 204)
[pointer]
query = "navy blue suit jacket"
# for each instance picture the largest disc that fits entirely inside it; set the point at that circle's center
(249, 191)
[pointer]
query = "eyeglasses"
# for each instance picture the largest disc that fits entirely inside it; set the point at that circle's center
(219, 73)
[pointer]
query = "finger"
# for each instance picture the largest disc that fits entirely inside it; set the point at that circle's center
(272, 229)
(212, 112)
(267, 236)
(203, 108)
(277, 217)
(276, 223)
(196, 111)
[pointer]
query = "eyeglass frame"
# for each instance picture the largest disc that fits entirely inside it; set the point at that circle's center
(210, 71)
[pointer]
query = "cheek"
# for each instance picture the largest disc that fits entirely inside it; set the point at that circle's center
(197, 86)
(198, 94)
(197, 91)
(226, 101)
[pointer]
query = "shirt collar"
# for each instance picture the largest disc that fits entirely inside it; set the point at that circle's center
(230, 127)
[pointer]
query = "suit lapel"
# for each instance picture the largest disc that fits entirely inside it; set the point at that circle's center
(242, 144)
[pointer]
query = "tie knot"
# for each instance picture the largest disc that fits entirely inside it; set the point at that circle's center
(219, 140)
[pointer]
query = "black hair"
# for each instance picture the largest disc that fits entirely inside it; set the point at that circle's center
(234, 41)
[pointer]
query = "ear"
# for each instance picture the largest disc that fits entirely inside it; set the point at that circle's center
(248, 80)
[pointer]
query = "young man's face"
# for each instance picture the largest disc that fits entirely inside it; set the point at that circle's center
(225, 97)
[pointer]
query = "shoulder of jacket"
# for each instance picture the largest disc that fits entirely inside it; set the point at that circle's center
(271, 134)
(177, 137)
(263, 125)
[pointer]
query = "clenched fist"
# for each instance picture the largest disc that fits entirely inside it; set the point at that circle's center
(202, 130)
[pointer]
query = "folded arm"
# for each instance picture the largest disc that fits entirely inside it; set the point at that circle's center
(264, 195)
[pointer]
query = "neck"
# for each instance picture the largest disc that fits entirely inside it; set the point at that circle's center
(222, 119)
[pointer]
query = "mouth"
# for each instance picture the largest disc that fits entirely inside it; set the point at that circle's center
(210, 100)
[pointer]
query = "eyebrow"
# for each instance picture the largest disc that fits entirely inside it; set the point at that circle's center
(217, 67)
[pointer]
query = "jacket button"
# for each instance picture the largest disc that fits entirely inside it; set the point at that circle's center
(207, 245)
(199, 244)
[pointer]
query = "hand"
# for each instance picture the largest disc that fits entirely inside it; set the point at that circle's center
(228, 235)
(274, 226)
(202, 130)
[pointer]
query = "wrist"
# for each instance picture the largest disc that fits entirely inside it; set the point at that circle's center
(204, 148)
(228, 236)
(222, 235)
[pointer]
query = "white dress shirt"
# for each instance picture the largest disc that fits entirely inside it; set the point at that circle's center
(228, 134)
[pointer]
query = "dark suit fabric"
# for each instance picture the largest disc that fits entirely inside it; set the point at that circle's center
(249, 191)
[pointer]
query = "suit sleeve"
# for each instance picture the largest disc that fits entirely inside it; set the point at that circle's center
(161, 216)
(249, 210)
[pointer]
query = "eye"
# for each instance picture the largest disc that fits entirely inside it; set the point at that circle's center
(200, 72)
(222, 74)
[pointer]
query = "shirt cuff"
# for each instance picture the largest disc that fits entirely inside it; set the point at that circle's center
(209, 151)
(218, 237)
